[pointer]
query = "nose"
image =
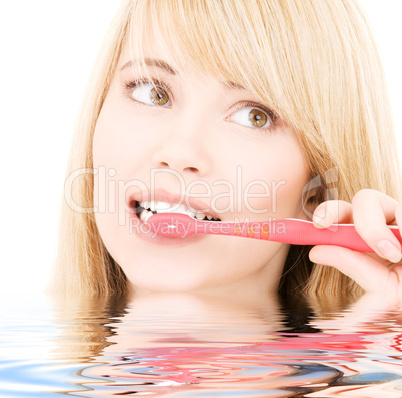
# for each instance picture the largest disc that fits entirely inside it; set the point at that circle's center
(183, 152)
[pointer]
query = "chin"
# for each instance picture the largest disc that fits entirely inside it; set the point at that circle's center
(168, 280)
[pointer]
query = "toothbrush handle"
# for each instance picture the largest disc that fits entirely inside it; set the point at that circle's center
(296, 232)
(305, 233)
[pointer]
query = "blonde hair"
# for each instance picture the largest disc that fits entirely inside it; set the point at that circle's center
(314, 63)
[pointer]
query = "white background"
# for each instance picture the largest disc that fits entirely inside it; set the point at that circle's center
(48, 48)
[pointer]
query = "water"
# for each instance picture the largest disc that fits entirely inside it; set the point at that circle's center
(187, 346)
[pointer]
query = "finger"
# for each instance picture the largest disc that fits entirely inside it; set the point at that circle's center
(398, 215)
(365, 270)
(372, 211)
(332, 212)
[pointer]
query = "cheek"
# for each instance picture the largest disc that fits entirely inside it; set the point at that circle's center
(112, 161)
(121, 140)
(274, 179)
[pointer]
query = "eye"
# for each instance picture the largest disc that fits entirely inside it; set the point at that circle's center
(251, 117)
(149, 94)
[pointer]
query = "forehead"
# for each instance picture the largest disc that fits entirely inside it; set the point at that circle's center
(209, 38)
(192, 36)
(155, 52)
(153, 59)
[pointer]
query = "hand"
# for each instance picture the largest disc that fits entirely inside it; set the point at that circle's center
(370, 212)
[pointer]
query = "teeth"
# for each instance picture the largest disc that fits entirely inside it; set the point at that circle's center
(151, 207)
(162, 207)
(190, 213)
(199, 215)
(145, 214)
(183, 210)
(148, 216)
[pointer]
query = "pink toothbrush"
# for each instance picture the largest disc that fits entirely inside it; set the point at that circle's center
(292, 231)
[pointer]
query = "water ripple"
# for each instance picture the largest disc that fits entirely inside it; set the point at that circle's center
(97, 348)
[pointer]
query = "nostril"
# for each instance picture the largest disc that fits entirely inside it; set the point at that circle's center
(192, 169)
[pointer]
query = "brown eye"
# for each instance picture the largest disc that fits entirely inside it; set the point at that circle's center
(251, 117)
(150, 94)
(159, 96)
(257, 118)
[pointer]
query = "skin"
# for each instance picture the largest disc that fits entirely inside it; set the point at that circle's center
(371, 211)
(203, 139)
(203, 135)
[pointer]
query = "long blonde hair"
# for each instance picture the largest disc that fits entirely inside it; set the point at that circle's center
(314, 63)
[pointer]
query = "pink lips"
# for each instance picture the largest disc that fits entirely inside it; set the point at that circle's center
(144, 233)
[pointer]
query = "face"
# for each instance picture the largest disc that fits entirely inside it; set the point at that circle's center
(208, 145)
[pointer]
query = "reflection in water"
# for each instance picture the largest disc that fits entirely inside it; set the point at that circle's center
(181, 345)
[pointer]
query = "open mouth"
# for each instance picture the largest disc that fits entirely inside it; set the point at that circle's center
(146, 209)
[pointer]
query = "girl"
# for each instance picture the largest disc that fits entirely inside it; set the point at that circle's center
(233, 110)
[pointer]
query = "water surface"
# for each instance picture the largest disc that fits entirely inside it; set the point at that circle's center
(190, 346)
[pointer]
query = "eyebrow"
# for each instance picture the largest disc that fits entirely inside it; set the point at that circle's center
(151, 62)
(166, 67)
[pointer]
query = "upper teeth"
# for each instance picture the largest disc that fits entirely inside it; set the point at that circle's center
(164, 207)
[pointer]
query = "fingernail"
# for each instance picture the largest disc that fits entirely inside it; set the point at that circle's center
(389, 251)
(318, 217)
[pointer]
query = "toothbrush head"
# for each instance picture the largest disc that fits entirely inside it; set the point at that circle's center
(173, 225)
